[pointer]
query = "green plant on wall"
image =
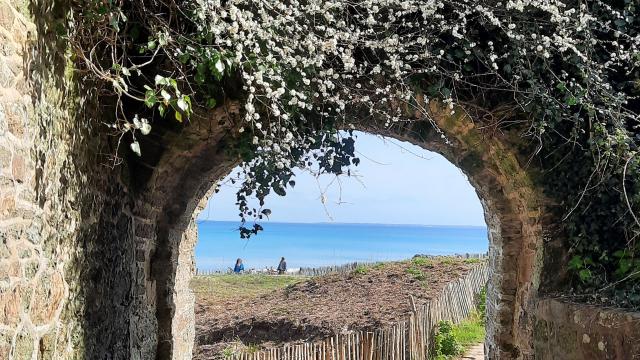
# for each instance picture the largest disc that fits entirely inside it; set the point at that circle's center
(562, 75)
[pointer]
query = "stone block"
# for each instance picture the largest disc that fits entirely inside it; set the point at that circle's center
(10, 306)
(23, 251)
(5, 341)
(140, 255)
(7, 205)
(18, 168)
(24, 346)
(6, 75)
(46, 346)
(7, 15)
(144, 230)
(13, 268)
(30, 268)
(5, 252)
(7, 46)
(34, 233)
(48, 297)
(3, 118)
(5, 157)
(16, 118)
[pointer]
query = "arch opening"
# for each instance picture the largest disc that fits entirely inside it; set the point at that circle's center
(398, 203)
(514, 213)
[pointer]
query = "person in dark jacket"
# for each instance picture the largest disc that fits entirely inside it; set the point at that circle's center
(239, 266)
(282, 267)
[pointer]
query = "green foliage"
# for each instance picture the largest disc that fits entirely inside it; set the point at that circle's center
(470, 331)
(573, 102)
(448, 260)
(252, 348)
(228, 353)
(416, 273)
(451, 341)
(422, 261)
(360, 270)
(445, 344)
(481, 304)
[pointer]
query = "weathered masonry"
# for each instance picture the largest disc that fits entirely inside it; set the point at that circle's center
(96, 256)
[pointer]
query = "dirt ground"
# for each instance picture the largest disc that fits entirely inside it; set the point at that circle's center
(365, 298)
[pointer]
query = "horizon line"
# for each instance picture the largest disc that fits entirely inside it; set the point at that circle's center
(347, 223)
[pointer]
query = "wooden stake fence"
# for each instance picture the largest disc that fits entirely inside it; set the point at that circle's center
(409, 339)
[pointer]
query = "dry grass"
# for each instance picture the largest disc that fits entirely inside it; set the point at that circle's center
(267, 309)
(214, 288)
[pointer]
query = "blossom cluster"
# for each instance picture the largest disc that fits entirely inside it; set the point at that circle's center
(564, 74)
(308, 63)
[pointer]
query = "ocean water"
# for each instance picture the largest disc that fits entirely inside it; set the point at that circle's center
(310, 245)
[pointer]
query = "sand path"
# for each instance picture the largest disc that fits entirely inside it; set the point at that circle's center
(476, 352)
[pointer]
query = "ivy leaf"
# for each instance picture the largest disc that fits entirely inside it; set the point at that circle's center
(182, 105)
(114, 22)
(576, 263)
(279, 190)
(620, 253)
(187, 100)
(159, 79)
(165, 95)
(562, 86)
(179, 116)
(585, 275)
(173, 84)
(624, 266)
(620, 22)
(150, 98)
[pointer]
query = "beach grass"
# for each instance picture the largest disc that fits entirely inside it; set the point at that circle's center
(454, 340)
(470, 331)
(233, 286)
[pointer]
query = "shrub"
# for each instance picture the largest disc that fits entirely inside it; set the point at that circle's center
(416, 273)
(446, 344)
(481, 304)
(360, 270)
(422, 261)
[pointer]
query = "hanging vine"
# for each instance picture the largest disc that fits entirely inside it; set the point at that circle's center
(566, 73)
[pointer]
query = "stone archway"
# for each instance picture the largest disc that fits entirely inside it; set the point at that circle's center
(94, 260)
(181, 167)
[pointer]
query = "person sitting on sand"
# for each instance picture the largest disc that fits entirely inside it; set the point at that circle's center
(282, 267)
(239, 266)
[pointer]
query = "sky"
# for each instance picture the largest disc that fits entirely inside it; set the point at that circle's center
(395, 183)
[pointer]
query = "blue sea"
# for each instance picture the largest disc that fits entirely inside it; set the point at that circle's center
(321, 244)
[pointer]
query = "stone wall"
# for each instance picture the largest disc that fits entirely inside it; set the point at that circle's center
(33, 291)
(67, 281)
(574, 332)
(516, 212)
